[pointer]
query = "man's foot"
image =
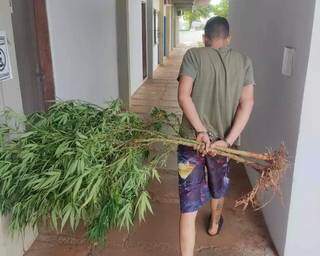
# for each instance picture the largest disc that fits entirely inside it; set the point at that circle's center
(214, 227)
(213, 230)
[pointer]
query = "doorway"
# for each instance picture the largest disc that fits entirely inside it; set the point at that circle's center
(31, 34)
(144, 39)
(165, 36)
(156, 33)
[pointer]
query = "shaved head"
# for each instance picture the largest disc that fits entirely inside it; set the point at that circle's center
(217, 27)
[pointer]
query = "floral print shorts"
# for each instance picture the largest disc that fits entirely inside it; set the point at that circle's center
(200, 178)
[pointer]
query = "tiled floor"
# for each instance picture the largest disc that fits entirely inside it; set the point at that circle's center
(244, 233)
(160, 91)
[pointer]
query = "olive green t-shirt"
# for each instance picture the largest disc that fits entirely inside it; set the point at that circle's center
(219, 76)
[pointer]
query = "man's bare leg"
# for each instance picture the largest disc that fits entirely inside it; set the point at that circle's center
(187, 233)
(216, 211)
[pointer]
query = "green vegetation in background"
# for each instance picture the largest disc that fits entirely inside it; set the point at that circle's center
(221, 9)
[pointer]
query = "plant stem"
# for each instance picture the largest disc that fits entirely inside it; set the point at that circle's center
(264, 157)
(234, 157)
(227, 152)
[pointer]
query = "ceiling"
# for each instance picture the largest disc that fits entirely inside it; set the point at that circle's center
(183, 4)
(187, 4)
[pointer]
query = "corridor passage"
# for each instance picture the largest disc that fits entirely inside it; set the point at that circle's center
(243, 234)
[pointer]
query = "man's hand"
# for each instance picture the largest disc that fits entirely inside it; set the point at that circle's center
(203, 137)
(218, 143)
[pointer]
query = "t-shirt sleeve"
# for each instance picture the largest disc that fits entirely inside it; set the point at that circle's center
(249, 73)
(189, 66)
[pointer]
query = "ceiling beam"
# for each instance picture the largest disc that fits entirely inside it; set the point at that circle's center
(188, 4)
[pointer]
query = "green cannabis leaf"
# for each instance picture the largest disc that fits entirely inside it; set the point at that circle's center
(74, 165)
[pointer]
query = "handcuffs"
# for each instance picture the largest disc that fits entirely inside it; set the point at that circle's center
(213, 138)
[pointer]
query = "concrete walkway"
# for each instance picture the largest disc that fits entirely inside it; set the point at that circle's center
(243, 234)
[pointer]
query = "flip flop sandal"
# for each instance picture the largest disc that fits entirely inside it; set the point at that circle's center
(219, 227)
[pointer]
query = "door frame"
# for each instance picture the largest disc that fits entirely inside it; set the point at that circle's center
(150, 37)
(122, 21)
(165, 36)
(44, 52)
(144, 40)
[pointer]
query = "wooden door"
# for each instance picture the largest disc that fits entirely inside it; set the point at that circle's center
(31, 34)
(144, 39)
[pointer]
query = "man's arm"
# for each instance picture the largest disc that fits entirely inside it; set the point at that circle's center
(241, 118)
(243, 113)
(189, 109)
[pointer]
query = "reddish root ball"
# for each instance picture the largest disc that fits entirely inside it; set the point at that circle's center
(270, 180)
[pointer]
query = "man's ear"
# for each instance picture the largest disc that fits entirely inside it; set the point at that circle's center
(206, 41)
(229, 39)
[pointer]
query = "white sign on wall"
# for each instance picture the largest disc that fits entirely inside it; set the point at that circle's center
(5, 67)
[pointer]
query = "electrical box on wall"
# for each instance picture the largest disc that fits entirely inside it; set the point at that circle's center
(288, 61)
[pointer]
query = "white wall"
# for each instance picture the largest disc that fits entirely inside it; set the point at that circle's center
(168, 30)
(10, 96)
(14, 246)
(261, 29)
(83, 43)
(156, 6)
(304, 222)
(135, 44)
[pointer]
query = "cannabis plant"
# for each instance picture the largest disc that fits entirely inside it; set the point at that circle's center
(69, 166)
(79, 163)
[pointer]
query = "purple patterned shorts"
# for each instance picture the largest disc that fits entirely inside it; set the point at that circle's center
(200, 178)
